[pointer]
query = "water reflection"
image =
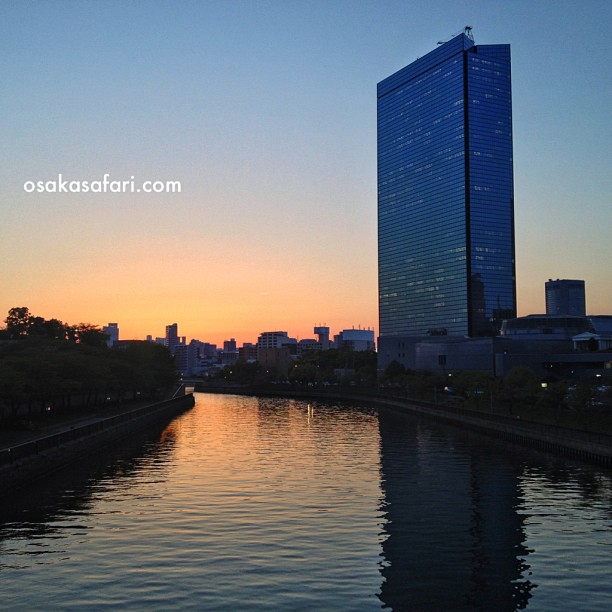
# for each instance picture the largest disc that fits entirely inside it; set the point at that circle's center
(62, 503)
(258, 504)
(474, 523)
(454, 537)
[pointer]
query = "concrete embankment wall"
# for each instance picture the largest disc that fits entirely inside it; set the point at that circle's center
(584, 445)
(23, 463)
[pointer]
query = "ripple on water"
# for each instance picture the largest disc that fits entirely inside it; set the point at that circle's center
(246, 503)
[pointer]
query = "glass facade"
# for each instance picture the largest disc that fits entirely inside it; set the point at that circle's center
(445, 193)
(565, 297)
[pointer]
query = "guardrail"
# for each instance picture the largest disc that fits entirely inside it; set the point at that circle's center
(28, 449)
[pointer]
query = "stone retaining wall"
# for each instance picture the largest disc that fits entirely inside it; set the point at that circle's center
(23, 463)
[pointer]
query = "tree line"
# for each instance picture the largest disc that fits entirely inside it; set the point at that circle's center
(518, 391)
(314, 367)
(48, 365)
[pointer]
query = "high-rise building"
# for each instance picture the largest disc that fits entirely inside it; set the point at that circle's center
(565, 297)
(112, 331)
(445, 193)
(229, 346)
(230, 352)
(322, 332)
(171, 340)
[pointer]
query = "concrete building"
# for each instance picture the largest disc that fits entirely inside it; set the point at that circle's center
(229, 346)
(230, 353)
(546, 327)
(112, 331)
(322, 333)
(356, 339)
(276, 361)
(248, 352)
(276, 352)
(553, 347)
(276, 339)
(309, 344)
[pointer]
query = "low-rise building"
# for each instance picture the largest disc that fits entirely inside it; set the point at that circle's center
(356, 339)
(552, 346)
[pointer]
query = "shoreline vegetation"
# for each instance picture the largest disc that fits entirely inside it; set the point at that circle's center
(581, 403)
(54, 376)
(49, 367)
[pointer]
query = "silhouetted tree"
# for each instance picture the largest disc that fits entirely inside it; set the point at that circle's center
(45, 364)
(91, 335)
(18, 322)
(521, 386)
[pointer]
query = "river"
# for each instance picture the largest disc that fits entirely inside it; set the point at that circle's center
(247, 503)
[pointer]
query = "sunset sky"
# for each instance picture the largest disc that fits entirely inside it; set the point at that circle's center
(266, 113)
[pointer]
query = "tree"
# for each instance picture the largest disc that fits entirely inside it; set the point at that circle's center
(553, 396)
(394, 373)
(521, 386)
(423, 384)
(47, 364)
(91, 335)
(242, 372)
(152, 365)
(12, 386)
(305, 372)
(474, 385)
(18, 321)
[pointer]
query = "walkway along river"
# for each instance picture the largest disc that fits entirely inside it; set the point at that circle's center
(22, 463)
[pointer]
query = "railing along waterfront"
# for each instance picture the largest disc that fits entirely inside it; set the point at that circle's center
(45, 443)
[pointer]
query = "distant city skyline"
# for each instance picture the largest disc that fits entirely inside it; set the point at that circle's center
(266, 114)
(172, 339)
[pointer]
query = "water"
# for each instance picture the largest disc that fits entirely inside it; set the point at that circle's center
(253, 504)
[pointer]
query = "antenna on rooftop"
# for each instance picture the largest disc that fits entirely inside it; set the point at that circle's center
(467, 30)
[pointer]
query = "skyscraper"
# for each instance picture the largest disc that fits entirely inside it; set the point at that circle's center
(171, 341)
(565, 297)
(445, 193)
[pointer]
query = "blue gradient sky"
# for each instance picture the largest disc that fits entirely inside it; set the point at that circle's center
(266, 111)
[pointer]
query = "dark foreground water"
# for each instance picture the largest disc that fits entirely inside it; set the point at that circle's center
(246, 503)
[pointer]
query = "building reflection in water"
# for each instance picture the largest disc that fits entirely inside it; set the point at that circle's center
(454, 539)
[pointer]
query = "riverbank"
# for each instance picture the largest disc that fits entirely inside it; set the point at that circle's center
(57, 442)
(590, 446)
(31, 454)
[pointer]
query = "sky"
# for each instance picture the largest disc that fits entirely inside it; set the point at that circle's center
(265, 111)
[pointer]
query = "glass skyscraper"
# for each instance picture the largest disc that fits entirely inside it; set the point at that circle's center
(445, 193)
